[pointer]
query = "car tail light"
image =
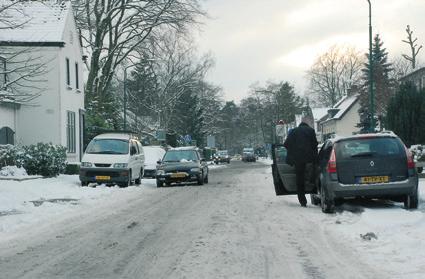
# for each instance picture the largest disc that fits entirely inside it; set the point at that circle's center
(410, 161)
(332, 163)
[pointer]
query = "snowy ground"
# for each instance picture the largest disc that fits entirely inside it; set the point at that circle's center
(234, 227)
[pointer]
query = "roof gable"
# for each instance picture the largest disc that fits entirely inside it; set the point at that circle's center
(41, 23)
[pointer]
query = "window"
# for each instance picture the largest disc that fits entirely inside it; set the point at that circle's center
(6, 136)
(3, 76)
(70, 132)
(68, 76)
(77, 80)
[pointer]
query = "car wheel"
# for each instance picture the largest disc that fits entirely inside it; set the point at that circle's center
(327, 203)
(83, 184)
(201, 179)
(315, 199)
(127, 183)
(159, 183)
(411, 201)
(138, 180)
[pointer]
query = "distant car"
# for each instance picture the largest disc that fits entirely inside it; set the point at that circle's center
(113, 158)
(248, 155)
(182, 164)
(152, 155)
(222, 156)
(370, 165)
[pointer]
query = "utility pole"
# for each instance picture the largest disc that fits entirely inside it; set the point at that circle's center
(371, 83)
(125, 95)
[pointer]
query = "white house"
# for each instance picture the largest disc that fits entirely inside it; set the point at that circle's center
(342, 118)
(49, 34)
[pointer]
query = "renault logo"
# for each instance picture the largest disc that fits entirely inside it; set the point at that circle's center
(372, 163)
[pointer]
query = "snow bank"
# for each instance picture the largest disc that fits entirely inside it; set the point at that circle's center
(13, 171)
(30, 202)
(400, 238)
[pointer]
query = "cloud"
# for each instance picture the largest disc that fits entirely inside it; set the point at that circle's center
(256, 40)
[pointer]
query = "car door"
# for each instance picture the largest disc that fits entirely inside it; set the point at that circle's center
(284, 177)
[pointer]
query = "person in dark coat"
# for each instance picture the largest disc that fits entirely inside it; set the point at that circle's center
(301, 145)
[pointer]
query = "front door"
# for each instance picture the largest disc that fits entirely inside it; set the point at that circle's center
(284, 176)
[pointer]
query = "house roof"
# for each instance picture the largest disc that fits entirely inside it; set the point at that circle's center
(343, 106)
(413, 73)
(38, 23)
(319, 113)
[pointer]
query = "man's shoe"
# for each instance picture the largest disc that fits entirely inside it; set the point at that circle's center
(303, 205)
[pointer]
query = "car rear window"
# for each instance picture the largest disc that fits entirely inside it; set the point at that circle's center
(369, 147)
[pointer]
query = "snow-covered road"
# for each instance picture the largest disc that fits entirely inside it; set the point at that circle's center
(233, 227)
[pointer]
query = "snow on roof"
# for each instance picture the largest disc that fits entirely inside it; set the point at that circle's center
(124, 136)
(319, 113)
(185, 148)
(344, 105)
(36, 21)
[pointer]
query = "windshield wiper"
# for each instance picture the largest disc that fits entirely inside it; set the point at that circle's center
(363, 154)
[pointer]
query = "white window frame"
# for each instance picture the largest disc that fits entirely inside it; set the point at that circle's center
(68, 72)
(71, 144)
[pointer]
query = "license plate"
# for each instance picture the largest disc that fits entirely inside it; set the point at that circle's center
(103, 177)
(374, 179)
(178, 175)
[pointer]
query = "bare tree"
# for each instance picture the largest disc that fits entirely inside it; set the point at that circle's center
(21, 68)
(413, 47)
(333, 73)
(111, 30)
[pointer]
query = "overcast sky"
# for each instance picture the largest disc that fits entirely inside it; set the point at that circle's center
(259, 40)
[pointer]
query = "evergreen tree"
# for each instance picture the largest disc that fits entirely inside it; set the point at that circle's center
(406, 114)
(188, 117)
(382, 83)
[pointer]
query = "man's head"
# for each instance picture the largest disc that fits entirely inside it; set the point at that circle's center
(307, 120)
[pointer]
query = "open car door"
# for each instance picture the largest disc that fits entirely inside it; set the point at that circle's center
(284, 177)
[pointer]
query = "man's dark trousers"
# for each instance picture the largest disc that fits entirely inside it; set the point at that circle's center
(300, 172)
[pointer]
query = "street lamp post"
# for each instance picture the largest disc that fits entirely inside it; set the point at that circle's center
(371, 93)
(125, 94)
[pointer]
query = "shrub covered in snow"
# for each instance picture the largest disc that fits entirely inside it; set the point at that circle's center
(9, 155)
(44, 159)
(38, 159)
(13, 171)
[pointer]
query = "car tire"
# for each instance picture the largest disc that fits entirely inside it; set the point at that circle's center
(315, 199)
(127, 183)
(138, 180)
(84, 184)
(411, 201)
(327, 203)
(201, 179)
(159, 183)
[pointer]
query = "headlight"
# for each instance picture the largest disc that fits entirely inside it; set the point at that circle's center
(120, 165)
(86, 164)
(160, 172)
(195, 170)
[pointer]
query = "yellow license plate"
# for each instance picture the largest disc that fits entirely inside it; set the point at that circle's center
(103, 177)
(178, 175)
(374, 179)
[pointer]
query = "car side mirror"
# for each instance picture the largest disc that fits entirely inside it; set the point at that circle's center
(159, 162)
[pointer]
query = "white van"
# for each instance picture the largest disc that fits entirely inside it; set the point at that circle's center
(153, 154)
(113, 158)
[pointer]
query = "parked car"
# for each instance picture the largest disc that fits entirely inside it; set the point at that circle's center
(222, 156)
(182, 164)
(248, 155)
(113, 158)
(152, 155)
(371, 166)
